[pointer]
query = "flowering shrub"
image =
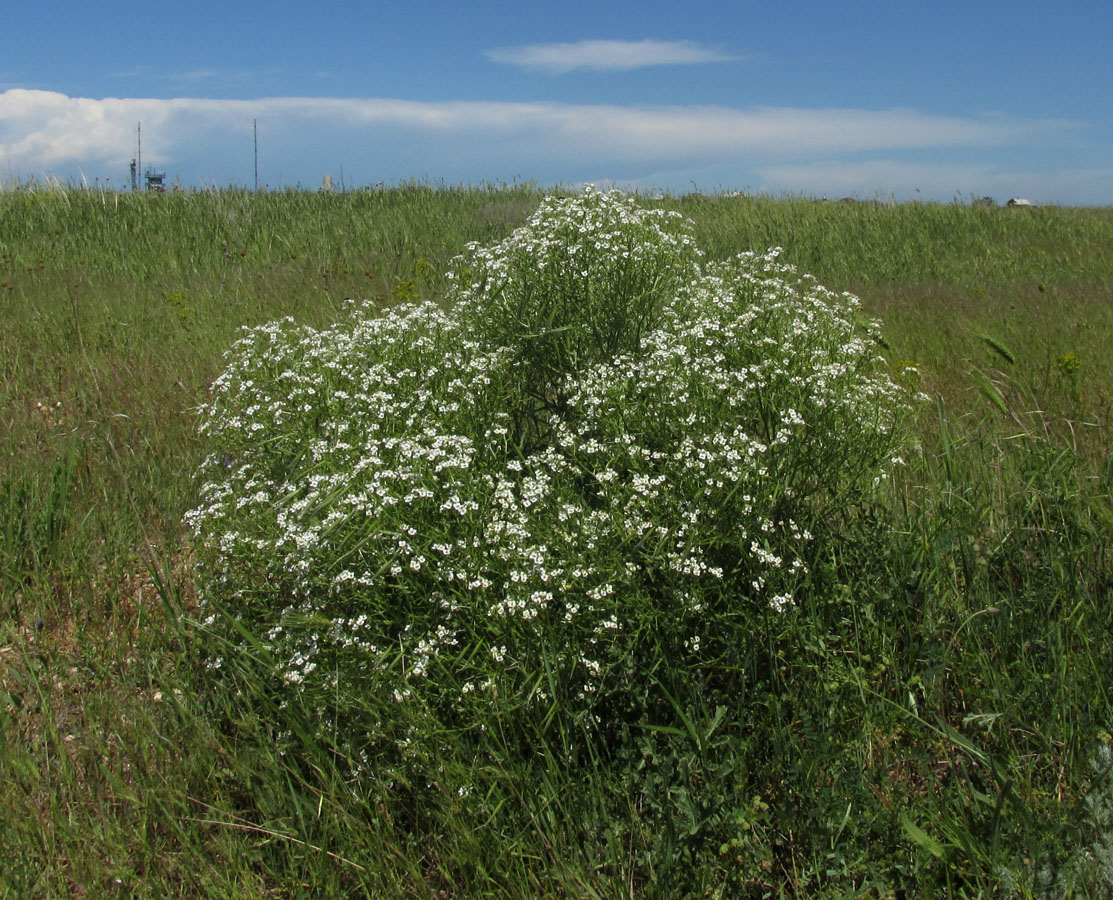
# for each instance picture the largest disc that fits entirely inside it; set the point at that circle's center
(603, 466)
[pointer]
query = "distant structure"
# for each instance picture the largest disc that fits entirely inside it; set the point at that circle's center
(326, 184)
(154, 181)
(1020, 201)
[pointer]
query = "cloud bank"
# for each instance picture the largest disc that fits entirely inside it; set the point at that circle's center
(382, 139)
(606, 55)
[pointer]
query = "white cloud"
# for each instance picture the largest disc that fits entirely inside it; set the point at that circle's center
(53, 127)
(607, 55)
(194, 76)
(43, 129)
(205, 141)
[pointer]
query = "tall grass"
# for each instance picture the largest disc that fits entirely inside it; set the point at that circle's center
(944, 727)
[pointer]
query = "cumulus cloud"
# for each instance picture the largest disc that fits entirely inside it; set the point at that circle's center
(206, 140)
(45, 127)
(607, 55)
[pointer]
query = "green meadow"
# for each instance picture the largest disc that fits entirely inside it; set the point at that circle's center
(936, 721)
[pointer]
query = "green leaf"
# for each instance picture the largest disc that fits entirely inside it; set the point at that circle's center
(921, 837)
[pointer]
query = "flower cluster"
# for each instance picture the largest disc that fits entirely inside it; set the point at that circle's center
(605, 451)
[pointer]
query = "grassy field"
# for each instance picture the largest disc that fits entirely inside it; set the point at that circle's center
(948, 731)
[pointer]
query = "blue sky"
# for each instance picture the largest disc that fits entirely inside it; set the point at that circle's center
(918, 101)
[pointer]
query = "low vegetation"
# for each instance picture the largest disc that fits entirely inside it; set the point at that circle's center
(594, 552)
